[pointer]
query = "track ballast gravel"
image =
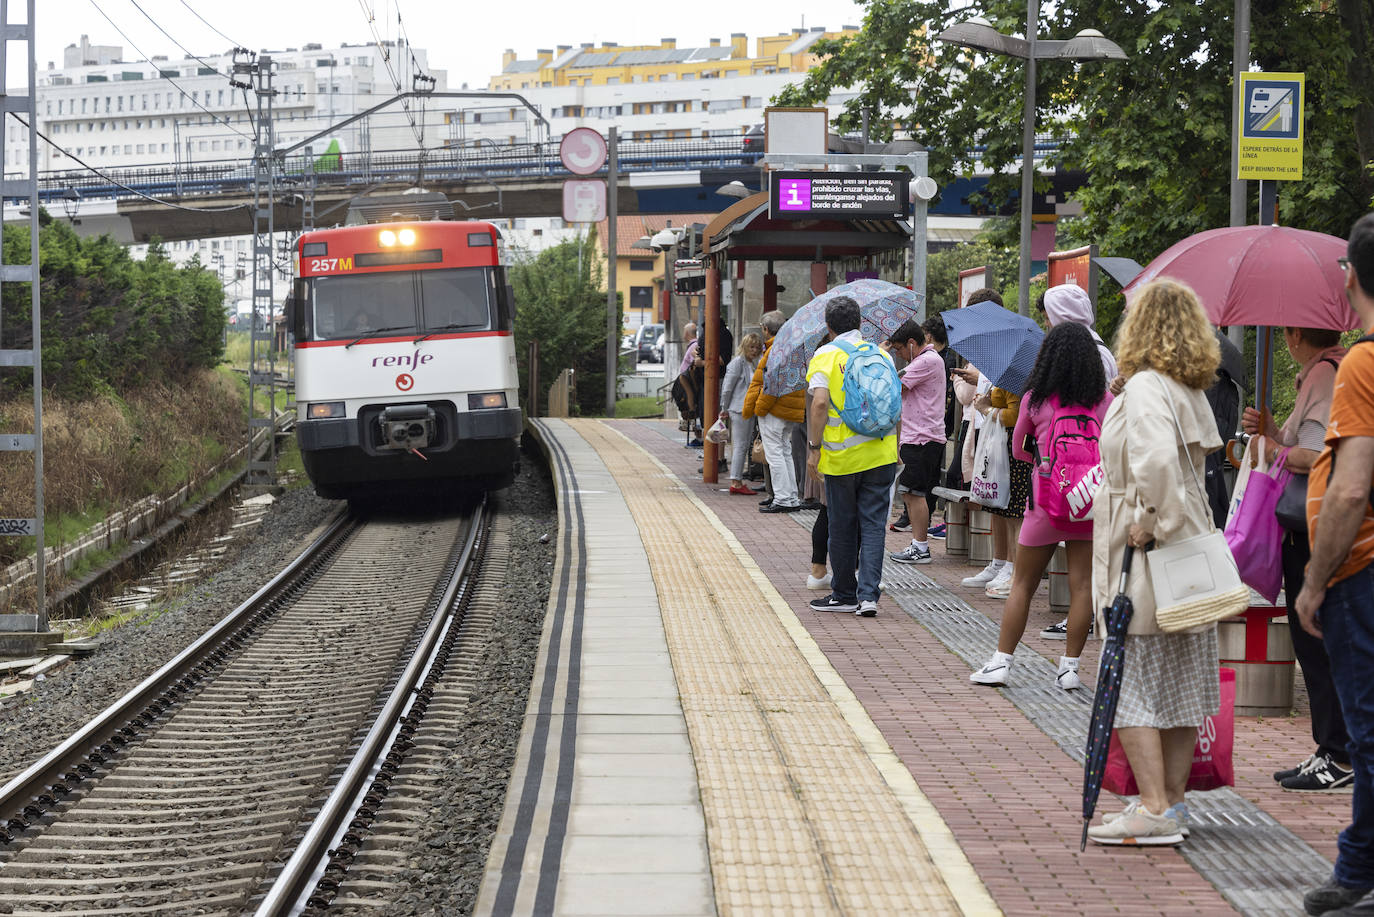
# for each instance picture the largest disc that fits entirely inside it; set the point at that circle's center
(450, 856)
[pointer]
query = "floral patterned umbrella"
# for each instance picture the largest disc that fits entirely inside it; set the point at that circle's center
(884, 307)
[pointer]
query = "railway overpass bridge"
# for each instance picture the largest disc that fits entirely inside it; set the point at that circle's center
(214, 199)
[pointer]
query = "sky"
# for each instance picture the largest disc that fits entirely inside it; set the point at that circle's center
(464, 38)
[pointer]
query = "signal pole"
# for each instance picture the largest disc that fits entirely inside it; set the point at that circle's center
(257, 76)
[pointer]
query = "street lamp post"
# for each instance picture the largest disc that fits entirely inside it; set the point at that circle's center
(1088, 44)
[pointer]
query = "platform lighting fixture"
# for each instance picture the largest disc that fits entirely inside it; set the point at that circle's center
(1089, 44)
(735, 189)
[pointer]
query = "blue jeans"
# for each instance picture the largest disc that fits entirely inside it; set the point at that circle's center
(857, 506)
(1347, 620)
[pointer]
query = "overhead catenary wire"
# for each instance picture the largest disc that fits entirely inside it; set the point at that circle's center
(371, 18)
(187, 51)
(93, 170)
(162, 75)
(231, 41)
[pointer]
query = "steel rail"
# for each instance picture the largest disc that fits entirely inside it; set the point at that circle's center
(294, 886)
(40, 786)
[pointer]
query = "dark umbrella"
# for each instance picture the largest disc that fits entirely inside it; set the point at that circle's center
(1002, 344)
(1122, 270)
(1231, 358)
(1118, 618)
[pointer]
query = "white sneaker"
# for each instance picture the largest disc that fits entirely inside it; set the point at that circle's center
(994, 673)
(867, 609)
(1137, 826)
(982, 578)
(1067, 679)
(816, 585)
(1000, 587)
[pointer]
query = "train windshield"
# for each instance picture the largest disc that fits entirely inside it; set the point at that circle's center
(403, 302)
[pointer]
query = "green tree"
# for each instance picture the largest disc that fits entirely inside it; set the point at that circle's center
(110, 322)
(560, 304)
(1152, 133)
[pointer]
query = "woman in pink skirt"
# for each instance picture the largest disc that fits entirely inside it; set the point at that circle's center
(1066, 383)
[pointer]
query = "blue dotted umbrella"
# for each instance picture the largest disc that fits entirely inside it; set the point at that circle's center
(1118, 616)
(1001, 344)
(883, 308)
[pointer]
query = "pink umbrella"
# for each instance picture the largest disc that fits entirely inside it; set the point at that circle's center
(1260, 275)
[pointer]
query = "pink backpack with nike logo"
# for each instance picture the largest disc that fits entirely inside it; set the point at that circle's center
(1067, 475)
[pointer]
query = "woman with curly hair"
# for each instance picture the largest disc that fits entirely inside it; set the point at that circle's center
(1154, 442)
(1067, 380)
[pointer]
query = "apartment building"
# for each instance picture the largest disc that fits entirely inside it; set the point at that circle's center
(649, 92)
(113, 114)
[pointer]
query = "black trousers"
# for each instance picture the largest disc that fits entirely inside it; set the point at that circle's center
(820, 537)
(1328, 725)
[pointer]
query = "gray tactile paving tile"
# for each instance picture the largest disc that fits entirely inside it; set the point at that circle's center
(1260, 866)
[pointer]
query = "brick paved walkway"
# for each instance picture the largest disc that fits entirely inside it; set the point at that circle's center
(1009, 793)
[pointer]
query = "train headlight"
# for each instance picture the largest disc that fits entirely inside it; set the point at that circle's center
(325, 409)
(407, 236)
(387, 238)
(478, 401)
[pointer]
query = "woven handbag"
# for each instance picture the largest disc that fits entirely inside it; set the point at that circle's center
(1195, 580)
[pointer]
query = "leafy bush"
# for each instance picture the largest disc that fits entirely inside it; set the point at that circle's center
(109, 321)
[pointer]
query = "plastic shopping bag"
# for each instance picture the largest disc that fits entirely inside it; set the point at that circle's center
(1253, 532)
(1212, 765)
(991, 484)
(720, 433)
(1251, 461)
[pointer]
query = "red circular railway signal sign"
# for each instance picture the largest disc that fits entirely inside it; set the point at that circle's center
(582, 150)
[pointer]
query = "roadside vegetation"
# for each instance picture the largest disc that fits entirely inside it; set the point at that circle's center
(135, 400)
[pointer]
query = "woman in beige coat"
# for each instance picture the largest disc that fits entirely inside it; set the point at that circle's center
(1169, 356)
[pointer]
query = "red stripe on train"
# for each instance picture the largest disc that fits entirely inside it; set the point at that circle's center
(406, 338)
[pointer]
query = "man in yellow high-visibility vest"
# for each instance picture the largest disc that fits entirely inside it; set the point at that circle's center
(857, 470)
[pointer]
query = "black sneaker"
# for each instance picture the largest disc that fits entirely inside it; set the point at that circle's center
(779, 508)
(830, 603)
(1331, 895)
(903, 524)
(1308, 762)
(766, 500)
(1326, 776)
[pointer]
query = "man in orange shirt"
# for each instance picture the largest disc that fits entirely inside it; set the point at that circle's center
(1337, 598)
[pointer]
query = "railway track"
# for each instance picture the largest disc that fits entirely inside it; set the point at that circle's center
(188, 795)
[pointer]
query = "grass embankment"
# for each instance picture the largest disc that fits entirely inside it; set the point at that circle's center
(639, 406)
(105, 452)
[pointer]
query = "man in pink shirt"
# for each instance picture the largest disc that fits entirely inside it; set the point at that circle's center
(922, 437)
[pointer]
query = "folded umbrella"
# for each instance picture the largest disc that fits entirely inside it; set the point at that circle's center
(1118, 618)
(883, 308)
(1000, 343)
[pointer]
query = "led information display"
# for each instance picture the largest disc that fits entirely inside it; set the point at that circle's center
(812, 195)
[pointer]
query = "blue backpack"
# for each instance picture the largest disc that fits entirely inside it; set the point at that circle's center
(872, 391)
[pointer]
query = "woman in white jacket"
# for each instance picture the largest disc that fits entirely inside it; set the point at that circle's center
(1154, 441)
(732, 392)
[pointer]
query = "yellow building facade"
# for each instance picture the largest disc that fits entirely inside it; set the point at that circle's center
(611, 64)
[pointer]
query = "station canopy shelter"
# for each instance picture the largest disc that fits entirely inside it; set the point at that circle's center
(745, 232)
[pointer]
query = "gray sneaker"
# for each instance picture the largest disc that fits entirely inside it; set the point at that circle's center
(911, 555)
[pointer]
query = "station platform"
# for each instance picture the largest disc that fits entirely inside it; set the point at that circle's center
(698, 741)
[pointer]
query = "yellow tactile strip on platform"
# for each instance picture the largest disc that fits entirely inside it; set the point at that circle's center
(808, 811)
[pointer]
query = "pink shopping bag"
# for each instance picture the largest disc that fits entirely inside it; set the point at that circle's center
(1212, 767)
(1253, 532)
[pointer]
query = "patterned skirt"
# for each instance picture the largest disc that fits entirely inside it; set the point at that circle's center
(1020, 486)
(1170, 680)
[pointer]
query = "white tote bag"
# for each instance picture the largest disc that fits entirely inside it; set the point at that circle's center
(991, 485)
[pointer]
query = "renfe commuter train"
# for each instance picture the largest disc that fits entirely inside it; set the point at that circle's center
(405, 359)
